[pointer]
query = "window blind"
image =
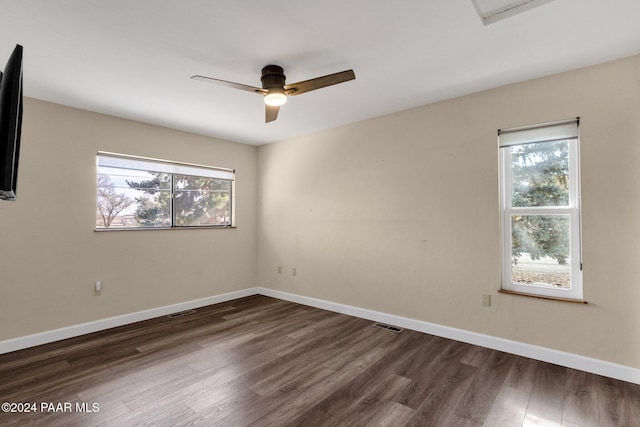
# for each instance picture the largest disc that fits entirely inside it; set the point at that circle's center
(556, 131)
(153, 165)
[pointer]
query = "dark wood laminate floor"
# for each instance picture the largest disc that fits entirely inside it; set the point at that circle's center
(265, 362)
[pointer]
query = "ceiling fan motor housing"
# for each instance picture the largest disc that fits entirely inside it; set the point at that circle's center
(272, 76)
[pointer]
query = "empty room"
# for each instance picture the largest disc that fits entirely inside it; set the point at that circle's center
(362, 213)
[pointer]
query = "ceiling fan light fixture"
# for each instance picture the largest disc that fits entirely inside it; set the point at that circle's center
(275, 91)
(275, 98)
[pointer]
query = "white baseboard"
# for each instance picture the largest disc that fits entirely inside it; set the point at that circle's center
(112, 322)
(570, 360)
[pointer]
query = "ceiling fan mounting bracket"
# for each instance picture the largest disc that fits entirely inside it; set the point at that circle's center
(273, 76)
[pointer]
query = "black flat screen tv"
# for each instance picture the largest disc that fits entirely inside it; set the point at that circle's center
(10, 124)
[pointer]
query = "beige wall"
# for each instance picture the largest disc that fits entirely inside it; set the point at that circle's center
(397, 214)
(50, 255)
(400, 214)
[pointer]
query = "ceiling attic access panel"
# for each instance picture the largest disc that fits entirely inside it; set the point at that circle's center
(491, 11)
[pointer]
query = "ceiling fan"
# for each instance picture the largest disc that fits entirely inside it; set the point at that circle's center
(275, 91)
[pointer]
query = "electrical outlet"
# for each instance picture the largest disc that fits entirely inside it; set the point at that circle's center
(293, 272)
(486, 300)
(279, 269)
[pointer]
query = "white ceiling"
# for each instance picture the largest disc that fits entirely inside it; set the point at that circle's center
(133, 58)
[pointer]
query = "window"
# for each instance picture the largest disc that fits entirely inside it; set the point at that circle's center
(141, 193)
(540, 204)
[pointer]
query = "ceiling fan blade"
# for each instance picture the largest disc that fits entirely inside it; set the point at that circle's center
(230, 84)
(271, 113)
(319, 82)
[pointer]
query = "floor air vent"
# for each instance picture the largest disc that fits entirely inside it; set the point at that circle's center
(388, 327)
(181, 313)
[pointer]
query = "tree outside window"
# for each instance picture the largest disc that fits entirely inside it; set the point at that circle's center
(540, 210)
(134, 193)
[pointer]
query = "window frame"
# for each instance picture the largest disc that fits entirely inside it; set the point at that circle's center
(173, 169)
(572, 209)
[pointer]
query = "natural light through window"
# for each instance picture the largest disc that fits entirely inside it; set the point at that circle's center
(540, 201)
(139, 193)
